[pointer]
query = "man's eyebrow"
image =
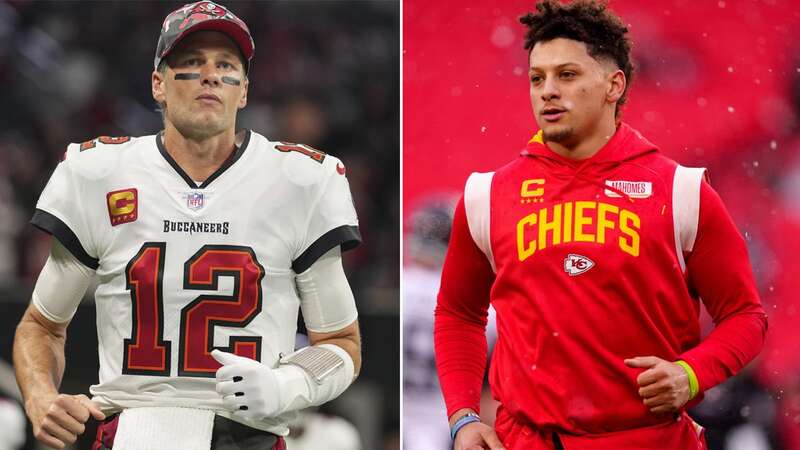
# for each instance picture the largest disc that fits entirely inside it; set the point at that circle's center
(560, 66)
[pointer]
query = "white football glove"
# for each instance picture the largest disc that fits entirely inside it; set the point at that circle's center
(254, 391)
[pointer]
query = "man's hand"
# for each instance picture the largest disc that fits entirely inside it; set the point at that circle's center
(664, 386)
(477, 436)
(59, 419)
(248, 388)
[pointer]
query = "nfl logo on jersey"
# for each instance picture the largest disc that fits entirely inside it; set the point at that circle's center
(195, 200)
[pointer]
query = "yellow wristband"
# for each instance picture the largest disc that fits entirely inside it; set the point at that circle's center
(694, 386)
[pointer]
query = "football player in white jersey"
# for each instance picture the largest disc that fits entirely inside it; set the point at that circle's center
(427, 245)
(205, 244)
(422, 272)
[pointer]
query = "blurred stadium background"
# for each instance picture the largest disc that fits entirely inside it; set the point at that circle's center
(717, 85)
(325, 73)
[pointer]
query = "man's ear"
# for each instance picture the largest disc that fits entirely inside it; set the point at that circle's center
(157, 80)
(616, 86)
(245, 85)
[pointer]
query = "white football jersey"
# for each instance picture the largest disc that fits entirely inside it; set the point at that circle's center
(425, 424)
(185, 268)
(424, 413)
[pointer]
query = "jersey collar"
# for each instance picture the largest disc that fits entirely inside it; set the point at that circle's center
(234, 156)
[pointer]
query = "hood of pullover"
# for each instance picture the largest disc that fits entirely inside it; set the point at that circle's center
(624, 147)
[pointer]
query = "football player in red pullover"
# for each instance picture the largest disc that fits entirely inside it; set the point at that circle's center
(595, 250)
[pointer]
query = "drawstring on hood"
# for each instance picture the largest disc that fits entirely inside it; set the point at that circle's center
(624, 146)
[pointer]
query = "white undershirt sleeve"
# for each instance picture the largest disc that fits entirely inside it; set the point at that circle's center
(325, 296)
(61, 285)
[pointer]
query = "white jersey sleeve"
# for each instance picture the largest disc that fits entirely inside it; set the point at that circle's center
(61, 213)
(61, 285)
(325, 296)
(332, 217)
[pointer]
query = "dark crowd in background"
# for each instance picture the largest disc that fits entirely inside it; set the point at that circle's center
(325, 73)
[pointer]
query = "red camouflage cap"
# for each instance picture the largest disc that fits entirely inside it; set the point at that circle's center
(203, 15)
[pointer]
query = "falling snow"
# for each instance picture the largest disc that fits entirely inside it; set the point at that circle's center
(740, 148)
(503, 36)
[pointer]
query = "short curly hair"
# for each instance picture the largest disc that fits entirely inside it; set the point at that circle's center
(587, 21)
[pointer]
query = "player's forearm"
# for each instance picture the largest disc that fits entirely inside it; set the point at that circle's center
(735, 342)
(348, 338)
(352, 347)
(38, 356)
(460, 347)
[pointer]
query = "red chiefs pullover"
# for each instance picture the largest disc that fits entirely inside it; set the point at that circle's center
(588, 263)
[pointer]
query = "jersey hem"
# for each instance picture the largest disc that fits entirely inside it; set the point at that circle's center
(347, 236)
(51, 224)
(275, 425)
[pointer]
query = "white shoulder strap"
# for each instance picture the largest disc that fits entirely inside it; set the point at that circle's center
(686, 208)
(477, 196)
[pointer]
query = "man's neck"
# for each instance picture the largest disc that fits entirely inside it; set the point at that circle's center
(587, 146)
(199, 159)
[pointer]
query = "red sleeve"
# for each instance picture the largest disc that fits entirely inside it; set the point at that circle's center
(719, 271)
(460, 318)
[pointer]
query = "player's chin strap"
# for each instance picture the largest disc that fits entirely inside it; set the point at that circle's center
(310, 376)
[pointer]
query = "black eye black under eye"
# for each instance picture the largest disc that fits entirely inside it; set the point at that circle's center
(187, 76)
(231, 80)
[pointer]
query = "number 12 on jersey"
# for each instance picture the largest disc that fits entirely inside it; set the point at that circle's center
(147, 353)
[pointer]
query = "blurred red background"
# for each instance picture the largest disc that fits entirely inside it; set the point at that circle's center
(717, 85)
(712, 78)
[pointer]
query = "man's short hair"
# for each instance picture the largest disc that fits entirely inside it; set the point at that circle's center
(587, 21)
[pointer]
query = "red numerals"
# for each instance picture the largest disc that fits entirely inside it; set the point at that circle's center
(146, 353)
(114, 139)
(311, 152)
(198, 319)
(104, 140)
